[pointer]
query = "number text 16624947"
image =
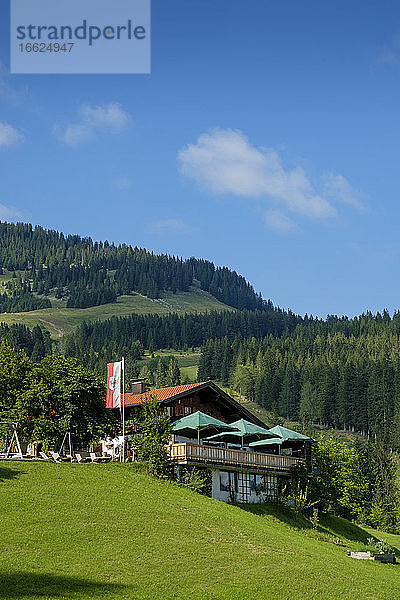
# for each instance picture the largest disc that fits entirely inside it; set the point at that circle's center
(43, 47)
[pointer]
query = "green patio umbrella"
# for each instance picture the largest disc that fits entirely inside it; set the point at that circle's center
(267, 442)
(285, 435)
(201, 423)
(245, 431)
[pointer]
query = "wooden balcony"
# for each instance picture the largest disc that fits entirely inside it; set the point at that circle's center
(187, 453)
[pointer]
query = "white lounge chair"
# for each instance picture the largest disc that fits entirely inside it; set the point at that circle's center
(43, 456)
(94, 457)
(81, 459)
(55, 456)
(98, 458)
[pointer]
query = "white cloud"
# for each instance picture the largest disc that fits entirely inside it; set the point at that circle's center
(279, 221)
(94, 121)
(386, 57)
(9, 136)
(75, 134)
(110, 117)
(336, 187)
(388, 54)
(9, 213)
(122, 183)
(169, 226)
(224, 162)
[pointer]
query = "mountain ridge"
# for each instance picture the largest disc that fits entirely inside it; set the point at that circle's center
(90, 273)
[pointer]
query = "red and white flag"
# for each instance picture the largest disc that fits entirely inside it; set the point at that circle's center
(113, 399)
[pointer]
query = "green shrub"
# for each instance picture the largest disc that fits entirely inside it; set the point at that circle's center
(193, 479)
(151, 434)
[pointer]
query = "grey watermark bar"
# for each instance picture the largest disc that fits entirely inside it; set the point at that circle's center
(80, 36)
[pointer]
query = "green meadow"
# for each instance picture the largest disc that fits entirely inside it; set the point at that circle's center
(96, 531)
(60, 320)
(187, 360)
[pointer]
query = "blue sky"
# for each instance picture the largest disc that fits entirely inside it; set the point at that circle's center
(266, 138)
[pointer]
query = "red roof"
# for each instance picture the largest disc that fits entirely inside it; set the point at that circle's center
(160, 394)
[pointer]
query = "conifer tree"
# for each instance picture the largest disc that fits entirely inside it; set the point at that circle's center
(161, 375)
(308, 404)
(173, 376)
(145, 373)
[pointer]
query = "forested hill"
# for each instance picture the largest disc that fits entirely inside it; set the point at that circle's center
(96, 343)
(89, 273)
(342, 373)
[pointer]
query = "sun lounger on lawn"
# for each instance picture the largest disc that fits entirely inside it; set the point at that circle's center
(55, 456)
(81, 459)
(94, 457)
(43, 456)
(98, 458)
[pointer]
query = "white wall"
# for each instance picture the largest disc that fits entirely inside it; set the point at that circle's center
(243, 484)
(216, 492)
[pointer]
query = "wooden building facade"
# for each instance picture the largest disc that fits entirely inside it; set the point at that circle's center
(232, 473)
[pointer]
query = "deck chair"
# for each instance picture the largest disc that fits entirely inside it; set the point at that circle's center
(55, 456)
(43, 456)
(98, 458)
(95, 458)
(80, 458)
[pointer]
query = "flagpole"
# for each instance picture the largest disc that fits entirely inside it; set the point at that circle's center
(123, 409)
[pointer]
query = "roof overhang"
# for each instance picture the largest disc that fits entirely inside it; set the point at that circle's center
(228, 400)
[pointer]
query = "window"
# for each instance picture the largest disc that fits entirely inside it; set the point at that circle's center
(227, 481)
(263, 483)
(169, 411)
(224, 481)
(256, 482)
(259, 482)
(188, 410)
(271, 487)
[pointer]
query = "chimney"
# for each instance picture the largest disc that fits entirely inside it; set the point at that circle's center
(138, 386)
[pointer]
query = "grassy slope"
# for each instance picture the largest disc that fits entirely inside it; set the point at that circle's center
(107, 531)
(60, 320)
(187, 361)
